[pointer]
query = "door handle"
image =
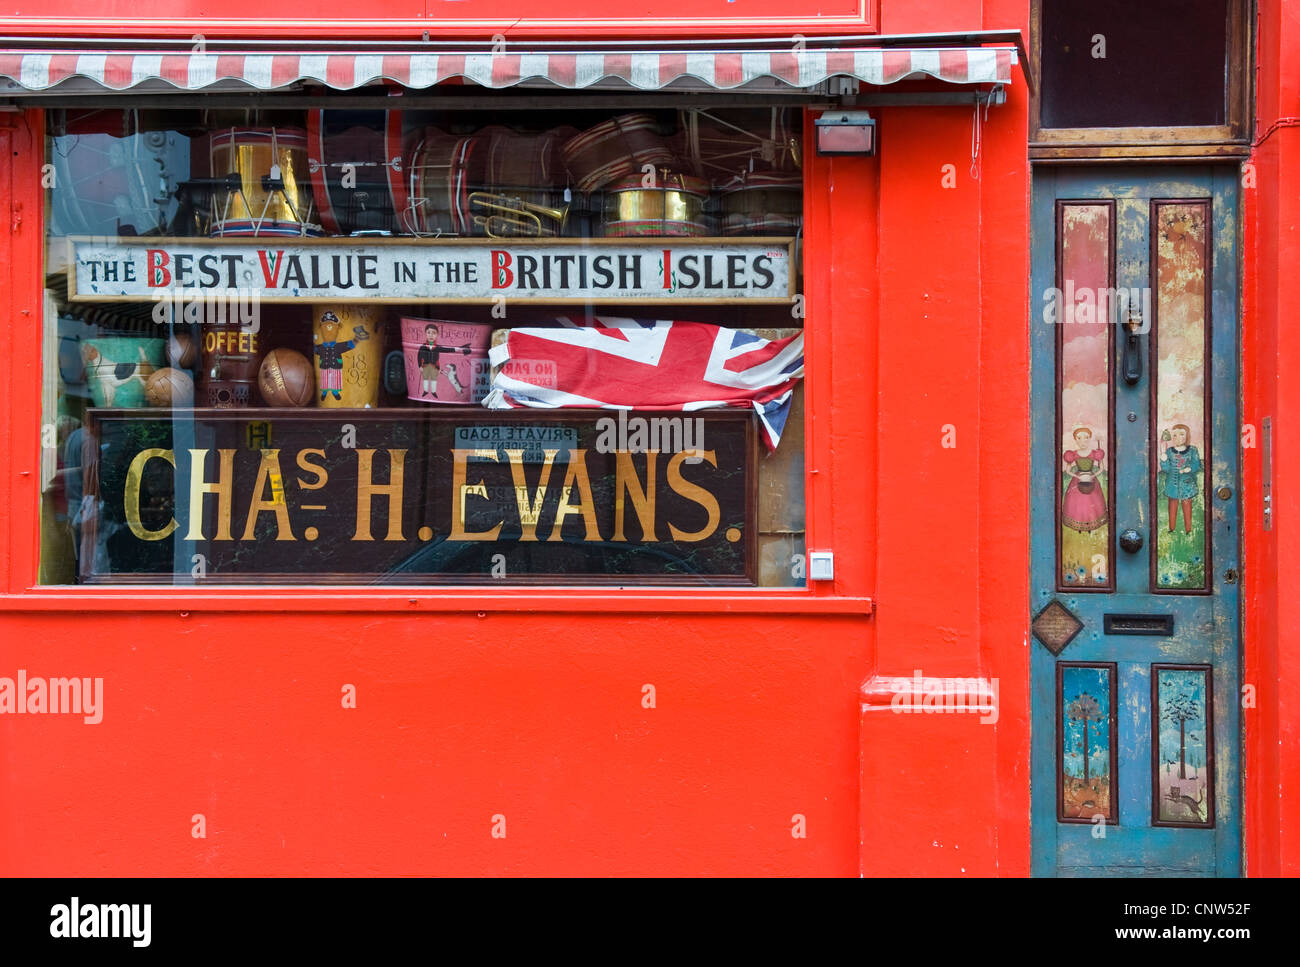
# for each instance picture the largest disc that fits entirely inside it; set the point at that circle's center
(1131, 541)
(1132, 360)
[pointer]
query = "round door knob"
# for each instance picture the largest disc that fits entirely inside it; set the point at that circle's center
(1131, 541)
(1224, 493)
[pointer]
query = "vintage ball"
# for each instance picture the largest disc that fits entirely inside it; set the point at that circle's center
(169, 387)
(286, 378)
(181, 351)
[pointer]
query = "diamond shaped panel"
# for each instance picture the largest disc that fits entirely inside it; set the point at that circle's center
(1055, 627)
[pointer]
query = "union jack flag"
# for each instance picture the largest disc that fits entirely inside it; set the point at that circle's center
(647, 364)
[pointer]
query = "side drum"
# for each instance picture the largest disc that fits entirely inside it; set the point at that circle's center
(762, 204)
(273, 196)
(674, 207)
(440, 176)
(614, 150)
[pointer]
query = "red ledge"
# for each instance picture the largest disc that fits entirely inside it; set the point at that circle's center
(915, 693)
(606, 601)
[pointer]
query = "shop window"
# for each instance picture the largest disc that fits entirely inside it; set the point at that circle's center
(351, 347)
(1156, 79)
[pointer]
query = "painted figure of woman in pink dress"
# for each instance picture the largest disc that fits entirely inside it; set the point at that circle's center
(1084, 506)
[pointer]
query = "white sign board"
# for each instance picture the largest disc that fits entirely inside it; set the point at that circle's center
(551, 271)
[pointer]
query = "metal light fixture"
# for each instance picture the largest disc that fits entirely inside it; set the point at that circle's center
(846, 132)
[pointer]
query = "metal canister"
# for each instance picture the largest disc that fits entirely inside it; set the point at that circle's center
(229, 358)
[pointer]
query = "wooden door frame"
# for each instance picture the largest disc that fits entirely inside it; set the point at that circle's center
(1172, 144)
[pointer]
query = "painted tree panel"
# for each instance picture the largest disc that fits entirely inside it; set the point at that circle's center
(1086, 748)
(1182, 711)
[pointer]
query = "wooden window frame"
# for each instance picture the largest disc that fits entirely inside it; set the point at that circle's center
(1152, 143)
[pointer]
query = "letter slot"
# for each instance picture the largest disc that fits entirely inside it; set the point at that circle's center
(1138, 624)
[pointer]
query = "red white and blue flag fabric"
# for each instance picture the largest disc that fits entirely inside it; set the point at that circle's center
(647, 364)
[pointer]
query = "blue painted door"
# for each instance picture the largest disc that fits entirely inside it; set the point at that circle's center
(1135, 530)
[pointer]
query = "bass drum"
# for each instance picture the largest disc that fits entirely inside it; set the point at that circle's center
(112, 183)
(350, 167)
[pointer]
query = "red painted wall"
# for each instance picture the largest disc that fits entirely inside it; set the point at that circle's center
(1271, 351)
(525, 705)
(952, 542)
(409, 19)
(528, 704)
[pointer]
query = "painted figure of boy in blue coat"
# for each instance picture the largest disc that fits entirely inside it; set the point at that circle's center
(1181, 464)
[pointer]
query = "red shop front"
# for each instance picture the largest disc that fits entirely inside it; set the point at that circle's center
(588, 444)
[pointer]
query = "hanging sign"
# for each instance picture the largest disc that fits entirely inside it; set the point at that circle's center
(396, 270)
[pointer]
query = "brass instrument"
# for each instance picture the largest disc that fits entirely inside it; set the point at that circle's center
(795, 150)
(508, 216)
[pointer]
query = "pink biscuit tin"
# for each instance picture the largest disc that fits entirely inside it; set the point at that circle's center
(446, 361)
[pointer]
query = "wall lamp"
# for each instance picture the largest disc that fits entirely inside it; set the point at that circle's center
(846, 132)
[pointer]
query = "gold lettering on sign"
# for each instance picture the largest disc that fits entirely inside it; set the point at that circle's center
(131, 496)
(269, 472)
(628, 484)
(223, 488)
(322, 475)
(459, 491)
(694, 492)
(233, 341)
(577, 474)
(367, 488)
(529, 510)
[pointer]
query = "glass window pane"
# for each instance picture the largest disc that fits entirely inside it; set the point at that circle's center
(323, 347)
(1113, 63)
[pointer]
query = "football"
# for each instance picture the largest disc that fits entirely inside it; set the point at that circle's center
(182, 351)
(287, 378)
(169, 387)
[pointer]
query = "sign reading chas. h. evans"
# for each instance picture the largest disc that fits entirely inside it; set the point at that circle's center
(456, 270)
(319, 496)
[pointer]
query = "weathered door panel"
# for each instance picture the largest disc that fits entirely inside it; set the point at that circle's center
(1135, 522)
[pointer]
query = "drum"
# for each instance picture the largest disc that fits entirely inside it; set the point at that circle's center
(517, 162)
(446, 362)
(347, 157)
(675, 207)
(401, 135)
(614, 150)
(274, 194)
(228, 362)
(348, 351)
(440, 174)
(762, 204)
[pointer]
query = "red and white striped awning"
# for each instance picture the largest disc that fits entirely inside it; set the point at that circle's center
(26, 72)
